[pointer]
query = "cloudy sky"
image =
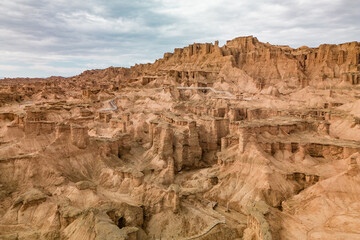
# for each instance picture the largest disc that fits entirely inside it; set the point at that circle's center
(40, 38)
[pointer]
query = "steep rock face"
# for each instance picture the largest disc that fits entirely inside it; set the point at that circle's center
(195, 56)
(195, 151)
(211, 131)
(162, 140)
(266, 64)
(330, 61)
(187, 151)
(79, 136)
(180, 144)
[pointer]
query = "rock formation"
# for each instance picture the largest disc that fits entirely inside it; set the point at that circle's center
(243, 141)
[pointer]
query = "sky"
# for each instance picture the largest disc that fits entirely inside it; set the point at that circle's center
(42, 38)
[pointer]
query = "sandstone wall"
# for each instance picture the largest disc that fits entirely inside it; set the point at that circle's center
(179, 143)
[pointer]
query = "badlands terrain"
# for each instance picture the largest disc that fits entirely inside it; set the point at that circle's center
(245, 141)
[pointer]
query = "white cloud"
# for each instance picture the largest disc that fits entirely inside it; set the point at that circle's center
(4, 67)
(87, 22)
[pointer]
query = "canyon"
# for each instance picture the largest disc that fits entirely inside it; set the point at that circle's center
(245, 141)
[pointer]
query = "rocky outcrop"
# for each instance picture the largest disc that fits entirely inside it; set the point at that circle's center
(79, 136)
(257, 225)
(180, 144)
(247, 140)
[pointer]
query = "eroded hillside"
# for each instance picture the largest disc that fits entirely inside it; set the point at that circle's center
(244, 141)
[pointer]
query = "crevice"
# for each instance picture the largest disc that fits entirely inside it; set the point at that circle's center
(121, 222)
